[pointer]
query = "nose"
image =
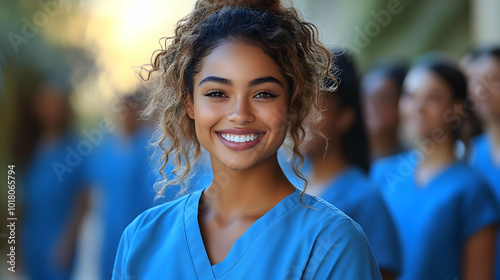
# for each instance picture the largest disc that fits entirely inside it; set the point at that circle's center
(420, 105)
(241, 112)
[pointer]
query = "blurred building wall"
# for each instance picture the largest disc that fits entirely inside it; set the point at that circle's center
(486, 21)
(403, 28)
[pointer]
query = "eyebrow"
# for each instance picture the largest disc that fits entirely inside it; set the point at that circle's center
(255, 82)
(263, 80)
(216, 80)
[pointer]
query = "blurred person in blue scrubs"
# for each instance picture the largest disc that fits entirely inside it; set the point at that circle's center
(380, 90)
(444, 211)
(120, 170)
(338, 166)
(55, 198)
(484, 91)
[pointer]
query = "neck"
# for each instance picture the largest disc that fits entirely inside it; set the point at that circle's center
(383, 144)
(435, 160)
(50, 134)
(327, 166)
(246, 193)
(493, 129)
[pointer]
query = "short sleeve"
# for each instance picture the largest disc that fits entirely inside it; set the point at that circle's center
(343, 254)
(378, 225)
(122, 254)
(479, 209)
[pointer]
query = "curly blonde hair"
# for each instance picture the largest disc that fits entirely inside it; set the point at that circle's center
(279, 31)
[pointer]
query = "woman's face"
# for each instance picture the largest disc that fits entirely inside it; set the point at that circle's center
(484, 88)
(380, 103)
(240, 105)
(51, 108)
(425, 103)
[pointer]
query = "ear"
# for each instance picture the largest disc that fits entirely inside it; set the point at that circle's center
(346, 120)
(190, 107)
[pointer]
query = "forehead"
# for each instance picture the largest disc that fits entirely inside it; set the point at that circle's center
(378, 83)
(424, 80)
(484, 65)
(239, 61)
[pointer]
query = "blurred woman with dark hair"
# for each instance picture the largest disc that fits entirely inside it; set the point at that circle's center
(380, 90)
(54, 198)
(338, 164)
(445, 213)
(484, 91)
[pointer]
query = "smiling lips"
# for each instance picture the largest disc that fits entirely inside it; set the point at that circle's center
(239, 139)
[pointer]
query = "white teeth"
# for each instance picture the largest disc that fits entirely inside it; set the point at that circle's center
(240, 138)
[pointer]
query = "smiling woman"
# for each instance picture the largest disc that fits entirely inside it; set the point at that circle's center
(237, 79)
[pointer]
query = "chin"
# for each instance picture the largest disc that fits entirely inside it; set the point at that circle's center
(238, 164)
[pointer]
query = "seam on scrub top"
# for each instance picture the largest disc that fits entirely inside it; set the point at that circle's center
(185, 235)
(342, 214)
(264, 229)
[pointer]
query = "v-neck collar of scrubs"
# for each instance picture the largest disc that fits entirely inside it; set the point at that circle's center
(436, 179)
(199, 256)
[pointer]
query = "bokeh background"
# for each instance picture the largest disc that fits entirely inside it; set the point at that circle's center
(95, 47)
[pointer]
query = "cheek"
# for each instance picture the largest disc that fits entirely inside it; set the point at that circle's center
(495, 98)
(405, 108)
(437, 111)
(206, 115)
(276, 117)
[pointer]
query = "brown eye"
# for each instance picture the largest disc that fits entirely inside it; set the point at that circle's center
(215, 94)
(264, 95)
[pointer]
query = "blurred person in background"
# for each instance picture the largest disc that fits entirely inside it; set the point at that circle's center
(484, 91)
(54, 197)
(471, 125)
(380, 90)
(338, 172)
(445, 213)
(119, 170)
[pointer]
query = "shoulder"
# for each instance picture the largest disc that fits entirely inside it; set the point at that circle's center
(339, 246)
(387, 162)
(326, 218)
(360, 191)
(480, 139)
(167, 213)
(468, 186)
(403, 164)
(478, 149)
(466, 176)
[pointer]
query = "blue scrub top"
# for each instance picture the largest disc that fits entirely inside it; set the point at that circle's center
(434, 221)
(360, 199)
(290, 241)
(52, 183)
(120, 171)
(482, 161)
